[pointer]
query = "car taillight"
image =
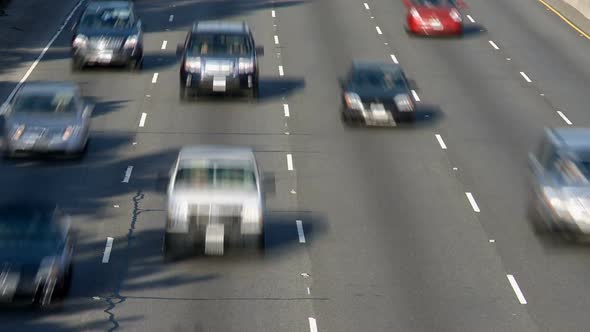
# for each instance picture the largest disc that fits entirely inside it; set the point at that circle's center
(131, 41)
(18, 132)
(245, 66)
(80, 41)
(192, 65)
(67, 133)
(415, 14)
(455, 15)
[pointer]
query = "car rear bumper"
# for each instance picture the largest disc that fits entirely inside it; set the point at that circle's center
(227, 84)
(368, 118)
(454, 28)
(19, 147)
(552, 219)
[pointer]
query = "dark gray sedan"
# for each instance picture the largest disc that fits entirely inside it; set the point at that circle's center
(46, 117)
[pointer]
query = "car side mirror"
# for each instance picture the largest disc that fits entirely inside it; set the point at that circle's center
(412, 85)
(260, 50)
(269, 183)
(179, 49)
(162, 180)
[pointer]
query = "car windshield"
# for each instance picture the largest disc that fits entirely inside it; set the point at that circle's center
(220, 44)
(28, 229)
(216, 175)
(107, 18)
(383, 78)
(44, 103)
(434, 3)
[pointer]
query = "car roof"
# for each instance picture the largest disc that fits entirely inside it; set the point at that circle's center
(575, 138)
(367, 64)
(189, 153)
(48, 86)
(109, 4)
(220, 27)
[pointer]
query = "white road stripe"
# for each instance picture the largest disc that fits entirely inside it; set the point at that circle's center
(564, 118)
(42, 54)
(415, 95)
(171, 18)
(525, 77)
(300, 231)
(273, 13)
(471, 18)
(155, 78)
(516, 289)
(394, 59)
(494, 44)
(127, 174)
(441, 142)
(366, 6)
(164, 43)
(142, 119)
(378, 30)
(313, 327)
(286, 110)
(281, 72)
(107, 250)
(289, 162)
(276, 39)
(472, 202)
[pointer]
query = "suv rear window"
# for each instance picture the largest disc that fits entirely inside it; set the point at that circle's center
(219, 44)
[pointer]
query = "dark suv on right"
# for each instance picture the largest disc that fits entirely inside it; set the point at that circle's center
(219, 57)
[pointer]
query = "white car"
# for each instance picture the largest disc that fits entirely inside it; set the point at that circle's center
(214, 198)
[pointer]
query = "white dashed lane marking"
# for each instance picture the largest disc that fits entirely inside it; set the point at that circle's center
(564, 118)
(155, 78)
(142, 119)
(378, 30)
(366, 6)
(394, 59)
(273, 13)
(289, 161)
(526, 78)
(313, 327)
(286, 110)
(164, 43)
(472, 201)
(300, 231)
(516, 289)
(415, 95)
(441, 142)
(107, 250)
(171, 18)
(127, 174)
(281, 71)
(276, 39)
(470, 18)
(494, 44)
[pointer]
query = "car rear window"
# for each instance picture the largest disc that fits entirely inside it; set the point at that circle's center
(384, 78)
(217, 176)
(44, 103)
(220, 44)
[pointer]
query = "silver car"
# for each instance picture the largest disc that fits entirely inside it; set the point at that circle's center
(561, 181)
(46, 117)
(214, 198)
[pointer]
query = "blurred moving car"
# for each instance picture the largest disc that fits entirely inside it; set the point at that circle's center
(215, 198)
(36, 249)
(108, 33)
(46, 117)
(219, 57)
(376, 94)
(434, 17)
(561, 181)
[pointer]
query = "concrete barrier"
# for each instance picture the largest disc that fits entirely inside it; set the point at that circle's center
(583, 6)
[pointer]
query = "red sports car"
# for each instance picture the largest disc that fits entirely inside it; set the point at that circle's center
(434, 17)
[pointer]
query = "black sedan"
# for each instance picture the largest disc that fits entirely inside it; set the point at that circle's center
(376, 94)
(108, 33)
(36, 248)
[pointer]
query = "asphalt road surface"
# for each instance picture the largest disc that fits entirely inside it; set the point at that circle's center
(417, 228)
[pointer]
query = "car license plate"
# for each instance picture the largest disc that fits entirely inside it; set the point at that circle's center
(378, 111)
(105, 57)
(31, 138)
(219, 84)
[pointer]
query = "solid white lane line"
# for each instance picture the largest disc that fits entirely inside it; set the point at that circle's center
(516, 289)
(164, 43)
(171, 18)
(494, 44)
(42, 54)
(273, 13)
(155, 78)
(564, 118)
(394, 59)
(286, 110)
(281, 72)
(378, 30)
(289, 162)
(142, 119)
(313, 327)
(300, 231)
(366, 6)
(276, 39)
(525, 77)
(470, 18)
(472, 202)
(415, 95)
(127, 174)
(441, 142)
(107, 250)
